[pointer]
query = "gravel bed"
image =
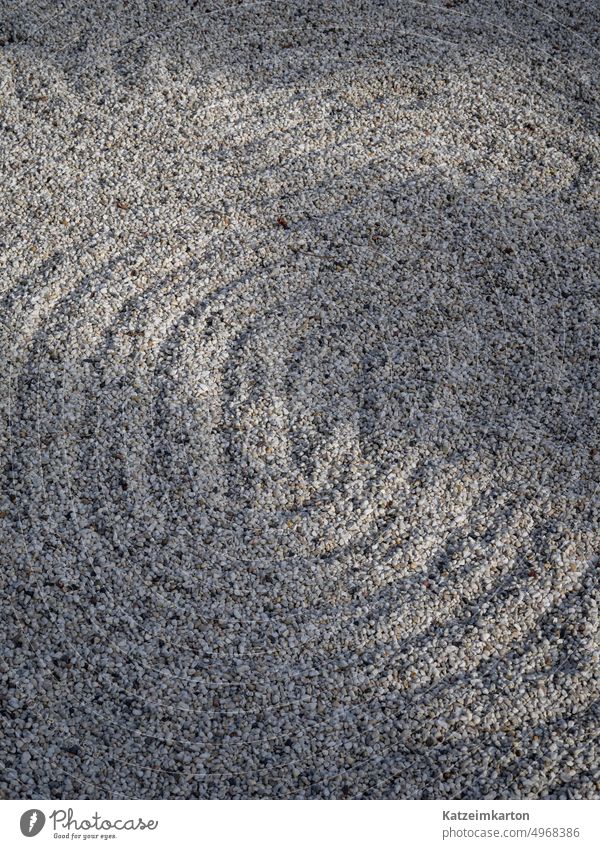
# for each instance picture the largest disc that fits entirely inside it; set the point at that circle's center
(300, 399)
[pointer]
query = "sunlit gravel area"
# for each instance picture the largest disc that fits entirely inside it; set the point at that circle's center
(299, 401)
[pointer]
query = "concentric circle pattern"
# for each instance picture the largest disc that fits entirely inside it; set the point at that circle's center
(300, 399)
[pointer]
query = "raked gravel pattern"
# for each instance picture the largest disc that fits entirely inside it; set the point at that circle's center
(300, 399)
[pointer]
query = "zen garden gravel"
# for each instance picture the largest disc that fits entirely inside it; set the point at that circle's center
(300, 399)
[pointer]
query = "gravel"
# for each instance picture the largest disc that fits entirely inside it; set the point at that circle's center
(300, 403)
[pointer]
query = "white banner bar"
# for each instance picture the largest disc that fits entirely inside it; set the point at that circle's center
(291, 824)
